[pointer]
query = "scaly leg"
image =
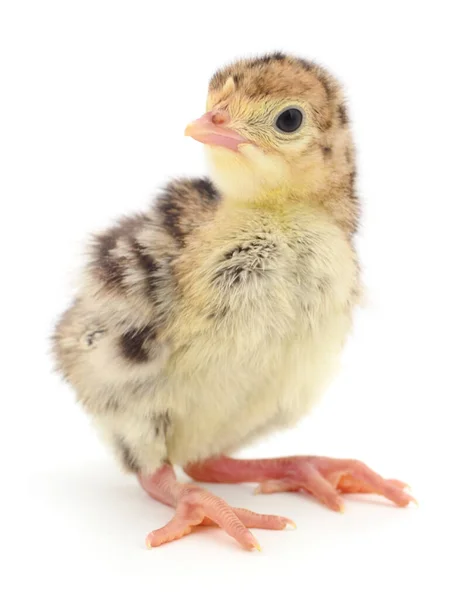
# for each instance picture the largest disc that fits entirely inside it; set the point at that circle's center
(324, 478)
(196, 506)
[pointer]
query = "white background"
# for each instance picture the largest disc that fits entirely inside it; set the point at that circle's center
(95, 96)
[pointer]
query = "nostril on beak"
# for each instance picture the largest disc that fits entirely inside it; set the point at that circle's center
(219, 118)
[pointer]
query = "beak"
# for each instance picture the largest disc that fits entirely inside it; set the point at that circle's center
(211, 129)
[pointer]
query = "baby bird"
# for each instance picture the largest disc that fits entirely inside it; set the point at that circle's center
(219, 314)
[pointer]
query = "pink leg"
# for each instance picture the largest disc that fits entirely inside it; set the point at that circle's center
(195, 506)
(324, 478)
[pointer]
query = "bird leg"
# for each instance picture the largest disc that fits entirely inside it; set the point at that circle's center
(196, 506)
(325, 478)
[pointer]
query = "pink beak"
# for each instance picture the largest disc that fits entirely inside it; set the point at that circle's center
(211, 129)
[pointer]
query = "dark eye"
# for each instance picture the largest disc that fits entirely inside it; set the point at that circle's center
(289, 120)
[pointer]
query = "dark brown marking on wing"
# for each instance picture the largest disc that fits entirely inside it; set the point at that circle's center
(134, 344)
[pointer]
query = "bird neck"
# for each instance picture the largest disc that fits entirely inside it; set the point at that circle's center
(270, 199)
(342, 208)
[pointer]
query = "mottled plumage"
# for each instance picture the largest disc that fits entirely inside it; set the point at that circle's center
(204, 322)
(220, 313)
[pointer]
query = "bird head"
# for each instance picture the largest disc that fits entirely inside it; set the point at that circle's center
(275, 123)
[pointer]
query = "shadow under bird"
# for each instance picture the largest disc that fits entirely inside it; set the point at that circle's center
(219, 314)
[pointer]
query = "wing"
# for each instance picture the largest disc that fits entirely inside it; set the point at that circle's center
(109, 344)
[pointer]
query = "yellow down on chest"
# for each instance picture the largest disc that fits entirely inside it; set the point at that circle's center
(257, 273)
(266, 306)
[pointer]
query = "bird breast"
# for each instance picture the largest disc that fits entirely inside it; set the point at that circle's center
(265, 308)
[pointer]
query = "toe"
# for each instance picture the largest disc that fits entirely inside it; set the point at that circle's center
(224, 516)
(258, 521)
(355, 475)
(205, 508)
(400, 484)
(346, 484)
(175, 529)
(305, 477)
(323, 490)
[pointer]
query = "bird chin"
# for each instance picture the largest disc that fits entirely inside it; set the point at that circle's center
(245, 174)
(230, 171)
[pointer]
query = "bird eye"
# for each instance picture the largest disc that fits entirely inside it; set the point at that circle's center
(289, 120)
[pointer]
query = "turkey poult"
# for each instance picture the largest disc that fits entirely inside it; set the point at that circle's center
(219, 314)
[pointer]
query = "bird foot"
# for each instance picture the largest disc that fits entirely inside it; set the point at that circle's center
(196, 506)
(324, 478)
(327, 478)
